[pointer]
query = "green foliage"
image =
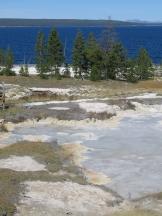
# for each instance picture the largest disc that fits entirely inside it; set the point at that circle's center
(2, 57)
(21, 72)
(144, 65)
(114, 62)
(90, 59)
(57, 74)
(55, 52)
(94, 58)
(95, 74)
(9, 59)
(131, 73)
(90, 50)
(7, 63)
(24, 71)
(79, 60)
(93, 52)
(41, 55)
(7, 72)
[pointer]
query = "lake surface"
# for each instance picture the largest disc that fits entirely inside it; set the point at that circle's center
(22, 40)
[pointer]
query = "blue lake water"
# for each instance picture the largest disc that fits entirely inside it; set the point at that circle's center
(22, 40)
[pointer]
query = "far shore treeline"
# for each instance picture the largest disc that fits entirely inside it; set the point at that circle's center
(92, 59)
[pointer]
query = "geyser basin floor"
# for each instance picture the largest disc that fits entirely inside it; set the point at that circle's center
(129, 154)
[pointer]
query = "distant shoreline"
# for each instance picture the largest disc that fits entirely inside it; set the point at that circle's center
(131, 26)
(71, 23)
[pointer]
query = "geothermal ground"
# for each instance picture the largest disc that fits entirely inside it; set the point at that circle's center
(81, 151)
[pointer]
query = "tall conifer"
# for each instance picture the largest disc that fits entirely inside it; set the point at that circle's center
(55, 52)
(79, 60)
(41, 55)
(144, 65)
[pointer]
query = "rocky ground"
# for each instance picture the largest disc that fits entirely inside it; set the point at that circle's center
(40, 179)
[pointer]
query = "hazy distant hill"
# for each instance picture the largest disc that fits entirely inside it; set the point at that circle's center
(68, 22)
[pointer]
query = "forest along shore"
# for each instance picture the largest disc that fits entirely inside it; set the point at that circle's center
(55, 159)
(32, 70)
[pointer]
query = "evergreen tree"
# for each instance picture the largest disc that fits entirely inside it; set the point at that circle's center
(26, 70)
(144, 65)
(55, 52)
(41, 55)
(2, 57)
(21, 71)
(131, 72)
(115, 62)
(8, 63)
(108, 42)
(90, 48)
(2, 61)
(108, 39)
(93, 57)
(79, 60)
(9, 59)
(93, 51)
(95, 74)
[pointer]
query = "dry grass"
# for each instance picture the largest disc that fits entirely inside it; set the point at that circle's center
(12, 111)
(49, 154)
(35, 81)
(157, 196)
(150, 85)
(53, 156)
(137, 212)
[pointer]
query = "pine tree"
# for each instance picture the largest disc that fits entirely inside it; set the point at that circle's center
(9, 61)
(2, 57)
(131, 72)
(41, 55)
(26, 71)
(109, 38)
(21, 71)
(79, 61)
(144, 65)
(55, 52)
(93, 57)
(95, 74)
(2, 61)
(93, 51)
(115, 62)
(108, 42)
